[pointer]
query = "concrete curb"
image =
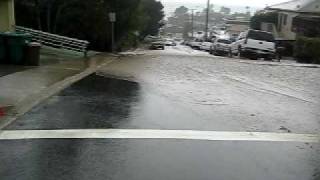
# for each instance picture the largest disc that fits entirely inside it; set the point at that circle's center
(282, 64)
(11, 114)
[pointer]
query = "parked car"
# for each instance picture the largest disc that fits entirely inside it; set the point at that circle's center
(178, 39)
(206, 46)
(196, 44)
(254, 44)
(184, 42)
(157, 45)
(220, 46)
(151, 38)
(170, 43)
(187, 43)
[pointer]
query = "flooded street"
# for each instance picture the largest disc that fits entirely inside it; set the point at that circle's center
(218, 93)
(176, 89)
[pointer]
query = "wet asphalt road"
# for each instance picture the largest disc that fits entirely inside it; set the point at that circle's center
(177, 89)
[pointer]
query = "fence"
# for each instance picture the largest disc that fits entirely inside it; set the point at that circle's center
(55, 41)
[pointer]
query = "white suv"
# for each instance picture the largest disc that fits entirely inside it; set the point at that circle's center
(254, 44)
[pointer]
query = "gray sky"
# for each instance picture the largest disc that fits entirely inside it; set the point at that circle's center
(253, 3)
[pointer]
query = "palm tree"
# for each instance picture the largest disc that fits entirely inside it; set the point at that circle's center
(248, 8)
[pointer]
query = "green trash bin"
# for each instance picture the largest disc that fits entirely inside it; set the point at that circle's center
(16, 47)
(2, 49)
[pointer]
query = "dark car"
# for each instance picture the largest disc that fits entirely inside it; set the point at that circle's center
(157, 45)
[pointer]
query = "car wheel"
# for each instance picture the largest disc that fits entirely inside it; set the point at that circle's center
(253, 57)
(241, 54)
(230, 54)
(269, 58)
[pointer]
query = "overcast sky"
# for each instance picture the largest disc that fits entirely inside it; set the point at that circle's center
(253, 3)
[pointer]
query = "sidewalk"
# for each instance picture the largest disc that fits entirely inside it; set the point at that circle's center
(281, 63)
(22, 90)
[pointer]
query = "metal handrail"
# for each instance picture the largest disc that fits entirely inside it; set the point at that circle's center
(54, 40)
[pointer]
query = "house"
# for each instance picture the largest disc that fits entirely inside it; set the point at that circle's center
(7, 20)
(289, 15)
(235, 27)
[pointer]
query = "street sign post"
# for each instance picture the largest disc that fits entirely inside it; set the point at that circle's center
(112, 19)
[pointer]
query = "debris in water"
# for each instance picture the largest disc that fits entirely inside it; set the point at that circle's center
(282, 128)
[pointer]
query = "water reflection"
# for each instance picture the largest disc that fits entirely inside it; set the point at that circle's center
(92, 103)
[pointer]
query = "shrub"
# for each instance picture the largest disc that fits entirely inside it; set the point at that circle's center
(307, 50)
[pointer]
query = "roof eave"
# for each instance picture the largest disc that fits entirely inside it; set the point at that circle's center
(294, 11)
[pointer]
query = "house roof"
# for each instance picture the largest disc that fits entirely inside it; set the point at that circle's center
(239, 22)
(307, 6)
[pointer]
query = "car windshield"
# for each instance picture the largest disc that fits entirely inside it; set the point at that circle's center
(224, 41)
(263, 36)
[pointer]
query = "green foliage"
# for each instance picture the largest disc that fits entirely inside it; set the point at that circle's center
(258, 18)
(88, 19)
(307, 50)
(181, 11)
(154, 11)
(225, 10)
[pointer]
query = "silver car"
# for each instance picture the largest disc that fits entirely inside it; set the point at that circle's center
(220, 47)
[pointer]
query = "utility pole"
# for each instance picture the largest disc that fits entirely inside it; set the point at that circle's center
(192, 20)
(207, 21)
(112, 18)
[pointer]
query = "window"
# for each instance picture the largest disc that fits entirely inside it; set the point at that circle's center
(224, 41)
(262, 36)
(242, 36)
(285, 19)
(270, 27)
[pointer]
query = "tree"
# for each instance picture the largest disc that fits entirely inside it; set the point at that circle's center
(259, 17)
(88, 20)
(153, 10)
(181, 11)
(248, 8)
(225, 10)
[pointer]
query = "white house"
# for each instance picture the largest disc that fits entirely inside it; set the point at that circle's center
(287, 12)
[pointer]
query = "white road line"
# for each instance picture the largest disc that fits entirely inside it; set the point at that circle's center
(157, 134)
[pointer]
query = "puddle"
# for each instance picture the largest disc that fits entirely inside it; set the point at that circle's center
(94, 102)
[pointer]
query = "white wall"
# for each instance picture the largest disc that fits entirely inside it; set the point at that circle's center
(7, 20)
(285, 30)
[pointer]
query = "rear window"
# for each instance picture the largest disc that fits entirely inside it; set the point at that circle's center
(263, 36)
(224, 41)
